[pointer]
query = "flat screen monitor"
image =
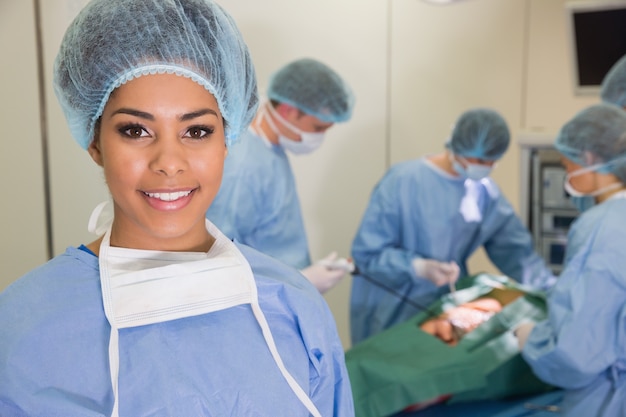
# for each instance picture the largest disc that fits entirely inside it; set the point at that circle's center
(598, 40)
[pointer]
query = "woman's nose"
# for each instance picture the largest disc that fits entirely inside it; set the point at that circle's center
(169, 157)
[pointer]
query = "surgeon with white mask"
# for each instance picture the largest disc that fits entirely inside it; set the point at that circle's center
(426, 217)
(163, 315)
(258, 203)
(612, 91)
(581, 346)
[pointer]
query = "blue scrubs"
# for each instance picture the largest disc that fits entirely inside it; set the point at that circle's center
(418, 210)
(581, 347)
(54, 358)
(257, 203)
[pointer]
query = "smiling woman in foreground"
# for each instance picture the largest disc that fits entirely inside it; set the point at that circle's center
(162, 314)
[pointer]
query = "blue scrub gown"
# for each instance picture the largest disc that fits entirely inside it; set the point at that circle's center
(418, 210)
(54, 359)
(581, 347)
(258, 204)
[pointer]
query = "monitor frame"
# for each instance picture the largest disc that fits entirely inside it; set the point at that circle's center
(573, 7)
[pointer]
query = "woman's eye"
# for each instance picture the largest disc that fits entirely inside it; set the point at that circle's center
(198, 132)
(133, 131)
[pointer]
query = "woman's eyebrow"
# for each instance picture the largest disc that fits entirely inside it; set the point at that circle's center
(133, 112)
(148, 116)
(193, 115)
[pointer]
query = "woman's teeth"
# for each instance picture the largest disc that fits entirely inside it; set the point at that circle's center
(169, 196)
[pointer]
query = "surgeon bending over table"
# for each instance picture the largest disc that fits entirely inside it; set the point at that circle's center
(426, 217)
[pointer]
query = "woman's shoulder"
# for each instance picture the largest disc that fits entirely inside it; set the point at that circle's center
(59, 294)
(289, 301)
(60, 277)
(276, 279)
(268, 269)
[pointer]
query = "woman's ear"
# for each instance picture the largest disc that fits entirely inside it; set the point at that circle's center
(94, 149)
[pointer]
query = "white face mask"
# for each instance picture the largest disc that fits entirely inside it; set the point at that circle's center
(141, 287)
(309, 142)
(472, 171)
(575, 193)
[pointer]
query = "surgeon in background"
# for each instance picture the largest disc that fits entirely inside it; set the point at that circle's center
(258, 203)
(613, 88)
(581, 347)
(424, 220)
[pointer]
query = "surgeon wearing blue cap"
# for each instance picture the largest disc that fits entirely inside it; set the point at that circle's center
(426, 217)
(164, 315)
(581, 347)
(258, 203)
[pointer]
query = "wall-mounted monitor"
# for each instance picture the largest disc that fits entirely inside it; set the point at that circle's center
(598, 39)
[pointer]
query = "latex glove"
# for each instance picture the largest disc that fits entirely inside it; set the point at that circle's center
(439, 273)
(522, 332)
(327, 272)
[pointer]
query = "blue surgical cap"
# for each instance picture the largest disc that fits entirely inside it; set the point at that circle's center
(314, 89)
(112, 42)
(596, 135)
(614, 84)
(480, 133)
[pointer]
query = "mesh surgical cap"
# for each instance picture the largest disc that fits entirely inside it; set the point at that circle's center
(614, 84)
(480, 133)
(112, 42)
(596, 135)
(313, 88)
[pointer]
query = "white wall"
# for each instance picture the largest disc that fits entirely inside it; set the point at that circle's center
(22, 212)
(447, 59)
(550, 94)
(414, 68)
(77, 183)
